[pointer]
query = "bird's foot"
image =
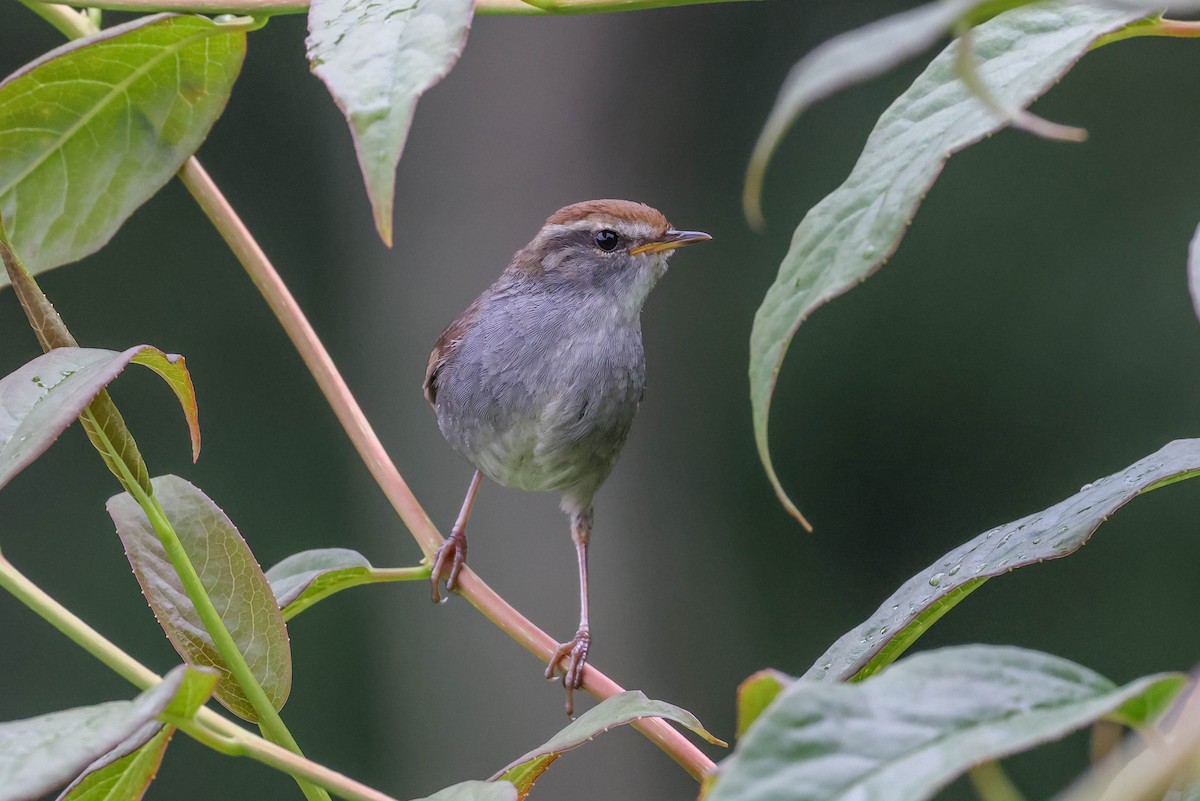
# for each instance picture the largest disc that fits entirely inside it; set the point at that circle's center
(575, 652)
(448, 561)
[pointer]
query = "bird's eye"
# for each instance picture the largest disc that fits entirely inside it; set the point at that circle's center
(607, 240)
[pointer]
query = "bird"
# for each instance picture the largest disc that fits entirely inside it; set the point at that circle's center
(537, 382)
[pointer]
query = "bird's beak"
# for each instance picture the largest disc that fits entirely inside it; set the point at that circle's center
(670, 240)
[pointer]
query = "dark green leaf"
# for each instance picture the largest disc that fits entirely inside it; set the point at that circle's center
(125, 773)
(378, 58)
(906, 733)
(475, 791)
(39, 754)
(92, 130)
(40, 399)
(1055, 532)
(616, 710)
(755, 694)
(231, 577)
(848, 235)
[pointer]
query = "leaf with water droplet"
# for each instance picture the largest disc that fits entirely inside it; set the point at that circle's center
(1049, 534)
(908, 732)
(35, 409)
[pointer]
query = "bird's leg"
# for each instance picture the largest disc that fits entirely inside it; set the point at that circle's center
(575, 650)
(452, 555)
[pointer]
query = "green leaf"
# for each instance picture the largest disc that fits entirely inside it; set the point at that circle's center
(123, 774)
(40, 399)
(39, 754)
(377, 59)
(91, 130)
(304, 578)
(1050, 534)
(848, 235)
(906, 733)
(231, 577)
(475, 791)
(755, 694)
(616, 710)
(839, 63)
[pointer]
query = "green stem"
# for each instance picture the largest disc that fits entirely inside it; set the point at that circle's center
(270, 722)
(1173, 28)
(259, 8)
(207, 727)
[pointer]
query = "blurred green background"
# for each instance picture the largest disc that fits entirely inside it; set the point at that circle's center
(1033, 333)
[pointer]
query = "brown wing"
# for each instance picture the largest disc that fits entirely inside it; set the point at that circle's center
(444, 351)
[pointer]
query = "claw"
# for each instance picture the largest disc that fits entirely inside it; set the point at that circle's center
(575, 651)
(449, 562)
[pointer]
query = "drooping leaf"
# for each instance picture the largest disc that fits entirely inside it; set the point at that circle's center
(304, 578)
(39, 400)
(125, 773)
(909, 731)
(1050, 534)
(848, 235)
(378, 58)
(755, 693)
(92, 130)
(41, 753)
(231, 577)
(305, 575)
(616, 710)
(475, 791)
(840, 63)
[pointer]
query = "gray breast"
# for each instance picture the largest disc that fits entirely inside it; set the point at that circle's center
(541, 393)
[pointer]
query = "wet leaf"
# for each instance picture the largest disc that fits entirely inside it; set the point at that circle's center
(849, 234)
(92, 130)
(41, 753)
(378, 58)
(911, 730)
(1050, 534)
(231, 577)
(39, 400)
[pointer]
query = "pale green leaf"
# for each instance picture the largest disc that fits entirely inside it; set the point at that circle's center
(377, 59)
(911, 730)
(848, 235)
(41, 753)
(616, 710)
(231, 577)
(1049, 534)
(92, 130)
(40, 399)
